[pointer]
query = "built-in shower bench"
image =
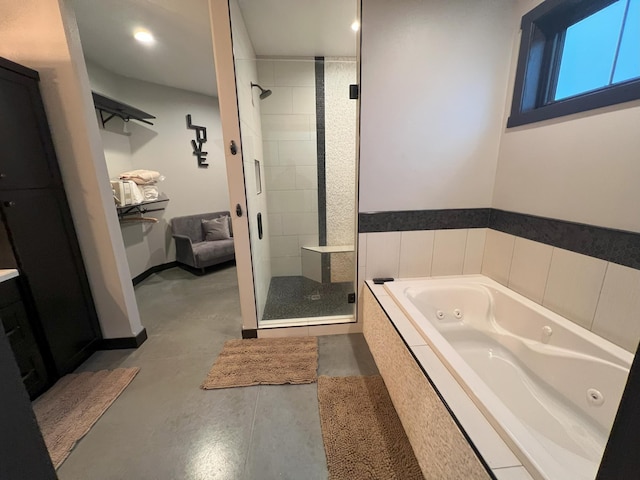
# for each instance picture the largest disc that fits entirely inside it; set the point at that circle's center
(328, 264)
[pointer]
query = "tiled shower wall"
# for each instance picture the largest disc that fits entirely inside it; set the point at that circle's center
(340, 161)
(290, 156)
(595, 294)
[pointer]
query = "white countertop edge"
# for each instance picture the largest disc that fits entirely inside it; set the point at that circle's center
(7, 273)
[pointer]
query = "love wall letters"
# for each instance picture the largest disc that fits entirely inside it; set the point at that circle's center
(201, 139)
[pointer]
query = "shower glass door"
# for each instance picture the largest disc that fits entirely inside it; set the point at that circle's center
(294, 62)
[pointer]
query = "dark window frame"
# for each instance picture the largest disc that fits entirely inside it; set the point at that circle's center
(542, 39)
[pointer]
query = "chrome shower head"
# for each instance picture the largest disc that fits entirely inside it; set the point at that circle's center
(263, 93)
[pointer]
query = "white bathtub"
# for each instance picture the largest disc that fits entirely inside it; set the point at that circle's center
(549, 387)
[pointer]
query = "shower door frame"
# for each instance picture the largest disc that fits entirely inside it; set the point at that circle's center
(228, 101)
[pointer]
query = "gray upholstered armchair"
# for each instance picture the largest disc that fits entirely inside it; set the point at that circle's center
(191, 247)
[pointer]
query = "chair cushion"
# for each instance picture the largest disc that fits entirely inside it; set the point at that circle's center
(191, 225)
(216, 229)
(205, 252)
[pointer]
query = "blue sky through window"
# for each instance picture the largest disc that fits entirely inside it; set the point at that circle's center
(589, 51)
(628, 65)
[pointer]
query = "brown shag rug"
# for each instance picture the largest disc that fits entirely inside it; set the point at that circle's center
(68, 410)
(264, 361)
(362, 434)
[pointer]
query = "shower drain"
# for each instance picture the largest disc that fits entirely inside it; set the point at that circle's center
(595, 397)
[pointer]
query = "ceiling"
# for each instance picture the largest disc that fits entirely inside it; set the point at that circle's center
(304, 28)
(183, 54)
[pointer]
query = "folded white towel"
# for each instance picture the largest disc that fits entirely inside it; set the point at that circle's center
(141, 177)
(150, 192)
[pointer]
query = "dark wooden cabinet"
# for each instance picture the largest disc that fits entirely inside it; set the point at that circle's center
(26, 150)
(23, 454)
(39, 228)
(19, 331)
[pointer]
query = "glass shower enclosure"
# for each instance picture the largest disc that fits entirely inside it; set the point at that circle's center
(298, 128)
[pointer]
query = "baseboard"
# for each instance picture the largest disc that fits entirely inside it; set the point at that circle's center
(158, 268)
(123, 342)
(250, 333)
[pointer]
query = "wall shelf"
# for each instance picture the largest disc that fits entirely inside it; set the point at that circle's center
(113, 108)
(142, 208)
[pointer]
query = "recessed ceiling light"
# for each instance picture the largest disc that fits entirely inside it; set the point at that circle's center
(144, 36)
(355, 26)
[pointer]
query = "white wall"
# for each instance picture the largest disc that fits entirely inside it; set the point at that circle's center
(42, 34)
(291, 165)
(582, 168)
(165, 147)
(434, 80)
(251, 132)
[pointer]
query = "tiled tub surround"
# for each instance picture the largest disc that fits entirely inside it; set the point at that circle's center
(534, 388)
(598, 295)
(441, 448)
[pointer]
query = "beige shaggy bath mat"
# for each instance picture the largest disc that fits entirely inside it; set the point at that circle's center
(264, 361)
(74, 404)
(362, 434)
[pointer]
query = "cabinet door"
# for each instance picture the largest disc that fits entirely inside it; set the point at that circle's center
(23, 453)
(23, 343)
(46, 249)
(27, 158)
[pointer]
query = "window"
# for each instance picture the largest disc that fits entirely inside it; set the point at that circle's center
(576, 56)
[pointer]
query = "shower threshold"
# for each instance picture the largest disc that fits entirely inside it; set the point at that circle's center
(306, 321)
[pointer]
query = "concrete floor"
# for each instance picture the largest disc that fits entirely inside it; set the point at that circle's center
(164, 427)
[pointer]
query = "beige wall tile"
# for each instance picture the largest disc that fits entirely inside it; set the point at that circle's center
(297, 152)
(279, 102)
(284, 266)
(416, 249)
(280, 178)
(362, 249)
(299, 224)
(530, 268)
(498, 251)
(295, 73)
(618, 313)
(383, 254)
(284, 246)
(306, 177)
(304, 100)
(574, 285)
(286, 127)
(474, 251)
(448, 252)
(270, 153)
(265, 72)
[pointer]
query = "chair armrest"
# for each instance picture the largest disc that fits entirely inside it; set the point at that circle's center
(181, 238)
(184, 250)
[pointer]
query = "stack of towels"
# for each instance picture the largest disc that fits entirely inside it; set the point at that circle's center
(144, 182)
